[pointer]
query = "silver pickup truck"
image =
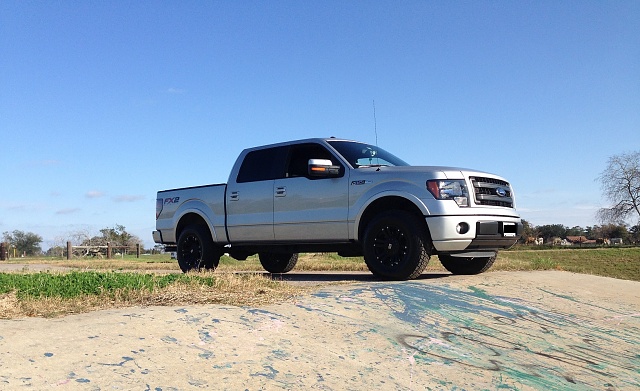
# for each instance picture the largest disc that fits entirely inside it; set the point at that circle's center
(332, 195)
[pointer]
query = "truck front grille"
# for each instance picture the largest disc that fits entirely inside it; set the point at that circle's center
(492, 192)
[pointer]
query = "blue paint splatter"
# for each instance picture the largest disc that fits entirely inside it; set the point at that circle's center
(280, 354)
(169, 339)
(196, 382)
(207, 354)
(205, 336)
(256, 311)
(270, 373)
(507, 335)
(120, 364)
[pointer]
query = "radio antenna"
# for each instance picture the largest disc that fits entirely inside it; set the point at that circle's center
(375, 123)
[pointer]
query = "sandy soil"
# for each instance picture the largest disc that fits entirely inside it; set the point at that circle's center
(498, 330)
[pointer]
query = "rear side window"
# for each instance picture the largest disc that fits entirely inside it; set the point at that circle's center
(263, 165)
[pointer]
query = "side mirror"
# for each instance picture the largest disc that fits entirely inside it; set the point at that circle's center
(323, 168)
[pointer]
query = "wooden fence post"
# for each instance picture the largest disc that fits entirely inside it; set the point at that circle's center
(137, 250)
(108, 250)
(69, 250)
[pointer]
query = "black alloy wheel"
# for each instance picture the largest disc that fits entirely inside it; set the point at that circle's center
(395, 245)
(196, 250)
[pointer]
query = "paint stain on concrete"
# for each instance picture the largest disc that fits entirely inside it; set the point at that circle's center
(512, 337)
(392, 336)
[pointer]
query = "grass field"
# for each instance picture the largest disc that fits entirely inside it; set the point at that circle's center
(616, 262)
(128, 281)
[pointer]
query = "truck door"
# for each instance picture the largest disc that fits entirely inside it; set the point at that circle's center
(250, 196)
(306, 209)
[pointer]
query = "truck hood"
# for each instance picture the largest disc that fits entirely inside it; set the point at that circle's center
(448, 172)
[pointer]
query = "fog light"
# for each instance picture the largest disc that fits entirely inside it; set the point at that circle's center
(462, 228)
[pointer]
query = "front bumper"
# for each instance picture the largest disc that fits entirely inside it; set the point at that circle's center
(477, 233)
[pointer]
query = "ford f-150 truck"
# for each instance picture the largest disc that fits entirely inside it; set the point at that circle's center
(332, 195)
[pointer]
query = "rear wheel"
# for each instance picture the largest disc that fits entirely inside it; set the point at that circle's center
(196, 250)
(395, 245)
(278, 262)
(466, 265)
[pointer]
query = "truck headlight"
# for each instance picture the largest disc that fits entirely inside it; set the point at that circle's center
(455, 190)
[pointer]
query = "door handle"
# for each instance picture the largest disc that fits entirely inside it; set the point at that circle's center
(281, 191)
(234, 196)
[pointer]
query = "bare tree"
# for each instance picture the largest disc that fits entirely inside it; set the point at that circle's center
(80, 236)
(620, 184)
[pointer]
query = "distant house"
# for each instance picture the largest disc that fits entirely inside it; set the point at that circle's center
(616, 241)
(580, 240)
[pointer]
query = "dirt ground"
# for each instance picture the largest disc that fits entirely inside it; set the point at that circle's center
(498, 330)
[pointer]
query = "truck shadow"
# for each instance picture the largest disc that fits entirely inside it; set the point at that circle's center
(310, 277)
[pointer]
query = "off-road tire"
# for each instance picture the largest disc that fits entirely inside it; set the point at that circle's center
(466, 265)
(395, 245)
(278, 262)
(196, 250)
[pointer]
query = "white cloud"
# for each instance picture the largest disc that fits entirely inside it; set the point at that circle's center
(17, 207)
(94, 194)
(177, 91)
(128, 198)
(25, 208)
(67, 211)
(43, 163)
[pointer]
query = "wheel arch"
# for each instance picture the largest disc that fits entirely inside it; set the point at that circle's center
(193, 218)
(389, 202)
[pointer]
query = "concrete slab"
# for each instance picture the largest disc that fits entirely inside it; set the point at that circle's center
(498, 330)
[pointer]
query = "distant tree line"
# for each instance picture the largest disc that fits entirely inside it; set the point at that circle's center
(24, 243)
(606, 231)
(29, 244)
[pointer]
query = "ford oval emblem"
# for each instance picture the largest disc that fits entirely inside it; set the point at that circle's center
(501, 192)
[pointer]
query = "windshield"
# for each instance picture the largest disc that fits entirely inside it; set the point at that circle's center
(365, 155)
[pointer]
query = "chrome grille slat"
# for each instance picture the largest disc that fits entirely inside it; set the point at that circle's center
(485, 192)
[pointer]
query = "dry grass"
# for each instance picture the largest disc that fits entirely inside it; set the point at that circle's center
(129, 263)
(245, 289)
(234, 284)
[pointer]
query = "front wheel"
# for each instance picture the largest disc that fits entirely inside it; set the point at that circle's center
(395, 245)
(466, 265)
(196, 250)
(278, 262)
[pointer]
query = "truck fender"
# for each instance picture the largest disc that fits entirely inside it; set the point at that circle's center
(198, 207)
(417, 202)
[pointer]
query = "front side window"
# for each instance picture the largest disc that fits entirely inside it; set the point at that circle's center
(298, 164)
(365, 155)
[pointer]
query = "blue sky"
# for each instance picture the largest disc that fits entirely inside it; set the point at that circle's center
(104, 103)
